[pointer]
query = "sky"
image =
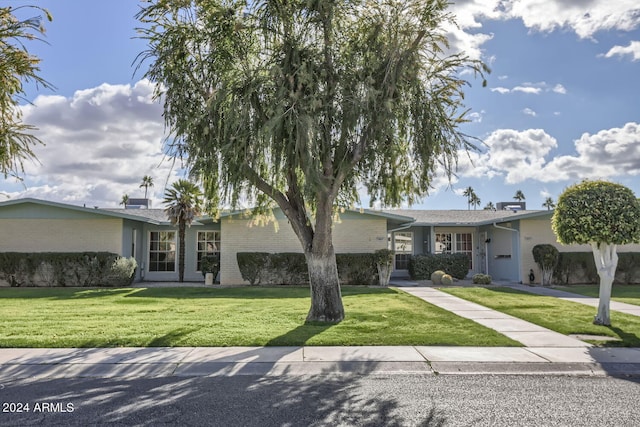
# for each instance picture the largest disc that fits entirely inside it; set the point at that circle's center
(562, 103)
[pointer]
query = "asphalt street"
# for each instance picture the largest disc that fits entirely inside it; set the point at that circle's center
(324, 400)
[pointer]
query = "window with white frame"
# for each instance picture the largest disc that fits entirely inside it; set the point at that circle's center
(443, 243)
(403, 247)
(449, 243)
(162, 251)
(208, 244)
(464, 245)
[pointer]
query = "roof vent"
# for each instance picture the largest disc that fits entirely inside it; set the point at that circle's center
(138, 204)
(511, 206)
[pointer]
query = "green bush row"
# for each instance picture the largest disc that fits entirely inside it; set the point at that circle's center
(422, 266)
(262, 268)
(66, 269)
(580, 267)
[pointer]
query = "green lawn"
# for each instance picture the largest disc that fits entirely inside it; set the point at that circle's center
(558, 315)
(622, 293)
(63, 317)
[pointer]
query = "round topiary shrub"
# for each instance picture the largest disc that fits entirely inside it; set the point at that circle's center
(481, 279)
(446, 280)
(436, 277)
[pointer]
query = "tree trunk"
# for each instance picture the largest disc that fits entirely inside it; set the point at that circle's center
(181, 248)
(326, 297)
(606, 258)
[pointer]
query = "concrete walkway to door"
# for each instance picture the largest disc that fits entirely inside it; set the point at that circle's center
(529, 334)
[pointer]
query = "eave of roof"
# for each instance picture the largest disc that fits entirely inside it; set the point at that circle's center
(116, 213)
(466, 218)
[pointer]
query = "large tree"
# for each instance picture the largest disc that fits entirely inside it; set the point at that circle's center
(184, 203)
(17, 67)
(604, 215)
(298, 102)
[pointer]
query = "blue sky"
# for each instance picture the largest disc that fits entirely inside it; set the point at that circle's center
(561, 105)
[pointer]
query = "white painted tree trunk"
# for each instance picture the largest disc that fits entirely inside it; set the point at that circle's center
(326, 297)
(606, 258)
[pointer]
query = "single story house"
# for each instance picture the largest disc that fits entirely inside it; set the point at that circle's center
(498, 243)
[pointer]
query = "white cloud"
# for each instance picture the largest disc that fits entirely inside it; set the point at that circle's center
(527, 89)
(500, 89)
(529, 112)
(559, 89)
(584, 17)
(633, 49)
(522, 155)
(608, 153)
(532, 88)
(99, 144)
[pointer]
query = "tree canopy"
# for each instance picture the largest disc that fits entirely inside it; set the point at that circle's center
(17, 66)
(597, 211)
(299, 103)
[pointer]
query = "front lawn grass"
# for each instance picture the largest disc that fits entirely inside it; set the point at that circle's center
(621, 293)
(552, 313)
(183, 317)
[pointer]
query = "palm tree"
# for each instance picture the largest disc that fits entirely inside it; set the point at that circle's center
(549, 203)
(184, 201)
(519, 196)
(125, 200)
(469, 194)
(475, 201)
(490, 207)
(147, 182)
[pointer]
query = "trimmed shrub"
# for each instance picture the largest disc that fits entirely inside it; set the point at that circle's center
(65, 268)
(260, 268)
(123, 272)
(580, 268)
(436, 277)
(422, 266)
(446, 280)
(576, 267)
(357, 269)
(481, 279)
(251, 265)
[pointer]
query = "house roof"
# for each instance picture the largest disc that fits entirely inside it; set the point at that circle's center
(465, 217)
(396, 216)
(117, 213)
(156, 215)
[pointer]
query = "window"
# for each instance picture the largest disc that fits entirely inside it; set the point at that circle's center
(464, 244)
(162, 251)
(448, 243)
(443, 243)
(208, 244)
(403, 248)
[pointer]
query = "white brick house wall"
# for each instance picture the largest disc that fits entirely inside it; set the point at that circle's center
(354, 233)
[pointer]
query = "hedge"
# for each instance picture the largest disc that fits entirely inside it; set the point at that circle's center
(580, 267)
(421, 266)
(66, 269)
(262, 268)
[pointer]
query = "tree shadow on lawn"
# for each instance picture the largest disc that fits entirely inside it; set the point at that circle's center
(300, 335)
(250, 292)
(62, 293)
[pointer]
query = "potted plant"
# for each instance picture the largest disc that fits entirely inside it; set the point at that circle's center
(210, 265)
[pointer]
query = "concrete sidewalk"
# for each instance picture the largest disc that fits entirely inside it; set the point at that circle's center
(37, 364)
